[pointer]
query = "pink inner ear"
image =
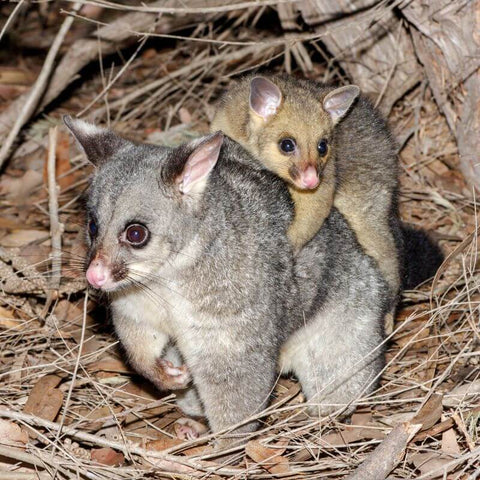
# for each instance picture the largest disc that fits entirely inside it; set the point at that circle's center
(338, 102)
(265, 97)
(200, 163)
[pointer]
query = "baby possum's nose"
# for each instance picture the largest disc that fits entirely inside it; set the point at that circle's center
(98, 273)
(309, 177)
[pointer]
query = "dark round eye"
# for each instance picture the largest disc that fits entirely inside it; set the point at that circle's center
(92, 228)
(322, 147)
(287, 145)
(136, 235)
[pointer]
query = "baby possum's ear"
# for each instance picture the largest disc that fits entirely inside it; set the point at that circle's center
(265, 97)
(338, 101)
(199, 164)
(98, 143)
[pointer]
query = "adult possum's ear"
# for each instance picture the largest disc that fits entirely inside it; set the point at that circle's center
(265, 97)
(338, 101)
(199, 164)
(98, 143)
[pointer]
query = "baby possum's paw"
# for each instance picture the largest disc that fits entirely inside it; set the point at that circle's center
(189, 429)
(169, 377)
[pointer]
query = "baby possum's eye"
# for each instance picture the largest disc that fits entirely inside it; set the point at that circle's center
(92, 228)
(137, 235)
(322, 147)
(287, 145)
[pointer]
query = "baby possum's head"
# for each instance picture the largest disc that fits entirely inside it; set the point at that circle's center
(291, 128)
(140, 204)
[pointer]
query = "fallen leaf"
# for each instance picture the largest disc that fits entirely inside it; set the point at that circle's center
(361, 419)
(165, 442)
(9, 92)
(462, 393)
(269, 458)
(430, 413)
(45, 400)
(12, 435)
(20, 188)
(15, 76)
(352, 434)
(109, 364)
(432, 465)
(8, 322)
(20, 238)
(107, 456)
(37, 256)
(449, 442)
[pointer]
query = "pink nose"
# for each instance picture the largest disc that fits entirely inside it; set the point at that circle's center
(97, 273)
(309, 177)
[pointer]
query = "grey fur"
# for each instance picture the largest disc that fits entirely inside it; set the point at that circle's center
(221, 282)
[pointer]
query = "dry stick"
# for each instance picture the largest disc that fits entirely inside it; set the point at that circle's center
(10, 475)
(387, 455)
(84, 50)
(117, 76)
(56, 228)
(11, 18)
(74, 374)
(22, 456)
(209, 6)
(231, 56)
(169, 461)
(38, 88)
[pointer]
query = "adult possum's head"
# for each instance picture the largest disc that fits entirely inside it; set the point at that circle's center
(140, 203)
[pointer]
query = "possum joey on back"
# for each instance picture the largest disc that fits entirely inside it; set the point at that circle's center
(358, 172)
(293, 134)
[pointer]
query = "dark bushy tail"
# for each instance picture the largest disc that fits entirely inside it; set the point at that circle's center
(421, 257)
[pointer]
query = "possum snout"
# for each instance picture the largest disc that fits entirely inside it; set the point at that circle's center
(305, 178)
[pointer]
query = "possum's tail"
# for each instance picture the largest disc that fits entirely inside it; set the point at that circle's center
(421, 256)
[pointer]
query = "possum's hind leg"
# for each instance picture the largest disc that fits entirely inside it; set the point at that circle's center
(337, 357)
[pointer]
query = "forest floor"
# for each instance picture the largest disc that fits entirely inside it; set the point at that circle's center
(70, 407)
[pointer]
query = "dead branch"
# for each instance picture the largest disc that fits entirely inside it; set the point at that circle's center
(28, 104)
(387, 455)
(161, 460)
(448, 51)
(372, 47)
(108, 40)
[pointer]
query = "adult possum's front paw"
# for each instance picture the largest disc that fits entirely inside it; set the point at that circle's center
(169, 377)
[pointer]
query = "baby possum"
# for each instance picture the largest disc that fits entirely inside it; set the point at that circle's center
(332, 147)
(191, 246)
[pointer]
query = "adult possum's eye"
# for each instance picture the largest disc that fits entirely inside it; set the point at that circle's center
(136, 235)
(92, 228)
(322, 147)
(287, 145)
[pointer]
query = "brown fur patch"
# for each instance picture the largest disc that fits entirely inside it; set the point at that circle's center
(312, 207)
